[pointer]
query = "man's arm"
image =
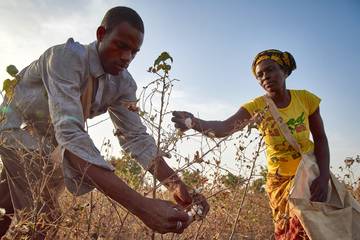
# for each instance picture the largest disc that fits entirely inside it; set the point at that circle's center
(170, 179)
(62, 71)
(159, 215)
(134, 139)
(319, 187)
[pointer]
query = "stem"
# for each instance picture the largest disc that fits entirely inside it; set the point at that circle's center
(246, 189)
(163, 81)
(90, 213)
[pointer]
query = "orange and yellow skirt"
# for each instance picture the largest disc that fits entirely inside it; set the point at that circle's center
(287, 225)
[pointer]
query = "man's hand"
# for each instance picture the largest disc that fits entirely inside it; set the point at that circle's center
(200, 200)
(161, 216)
(183, 120)
(164, 217)
(181, 194)
(319, 189)
(184, 198)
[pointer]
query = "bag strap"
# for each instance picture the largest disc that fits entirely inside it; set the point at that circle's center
(282, 125)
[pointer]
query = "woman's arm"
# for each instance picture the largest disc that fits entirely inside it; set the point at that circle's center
(319, 187)
(219, 128)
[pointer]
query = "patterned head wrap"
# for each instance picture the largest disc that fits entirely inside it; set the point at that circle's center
(284, 59)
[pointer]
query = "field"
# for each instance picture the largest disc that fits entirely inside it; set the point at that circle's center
(239, 206)
(94, 216)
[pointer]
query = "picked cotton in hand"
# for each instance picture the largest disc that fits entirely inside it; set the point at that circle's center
(195, 212)
(188, 122)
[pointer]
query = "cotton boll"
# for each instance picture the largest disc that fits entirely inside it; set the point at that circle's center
(196, 212)
(188, 123)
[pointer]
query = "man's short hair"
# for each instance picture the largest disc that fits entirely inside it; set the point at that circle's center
(117, 15)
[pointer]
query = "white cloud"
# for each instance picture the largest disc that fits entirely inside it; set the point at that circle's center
(28, 28)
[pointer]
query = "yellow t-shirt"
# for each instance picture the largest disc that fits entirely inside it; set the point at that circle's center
(281, 157)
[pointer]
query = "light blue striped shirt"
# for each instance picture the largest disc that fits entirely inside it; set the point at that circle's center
(49, 92)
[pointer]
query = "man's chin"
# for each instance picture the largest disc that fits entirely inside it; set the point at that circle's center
(116, 72)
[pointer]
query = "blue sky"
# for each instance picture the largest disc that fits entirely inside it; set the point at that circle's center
(213, 44)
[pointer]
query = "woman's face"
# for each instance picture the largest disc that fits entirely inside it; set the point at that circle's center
(270, 76)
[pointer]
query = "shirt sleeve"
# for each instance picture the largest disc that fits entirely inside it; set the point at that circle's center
(254, 105)
(312, 101)
(129, 129)
(62, 70)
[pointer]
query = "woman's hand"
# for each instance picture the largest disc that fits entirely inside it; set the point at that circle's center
(183, 120)
(319, 189)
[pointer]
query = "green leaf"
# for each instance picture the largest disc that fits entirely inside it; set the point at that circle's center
(157, 61)
(6, 84)
(8, 87)
(165, 56)
(300, 119)
(160, 66)
(291, 122)
(162, 58)
(4, 110)
(167, 67)
(12, 70)
(142, 113)
(291, 129)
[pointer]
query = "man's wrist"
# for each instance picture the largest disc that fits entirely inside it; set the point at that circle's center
(141, 208)
(171, 183)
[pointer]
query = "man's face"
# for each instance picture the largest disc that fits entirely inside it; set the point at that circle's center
(118, 48)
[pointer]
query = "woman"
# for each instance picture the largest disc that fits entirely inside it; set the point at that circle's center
(300, 110)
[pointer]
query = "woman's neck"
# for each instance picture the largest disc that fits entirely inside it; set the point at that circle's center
(281, 99)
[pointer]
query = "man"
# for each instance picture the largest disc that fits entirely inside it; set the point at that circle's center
(52, 99)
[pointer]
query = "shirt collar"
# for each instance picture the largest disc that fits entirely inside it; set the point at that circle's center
(96, 69)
